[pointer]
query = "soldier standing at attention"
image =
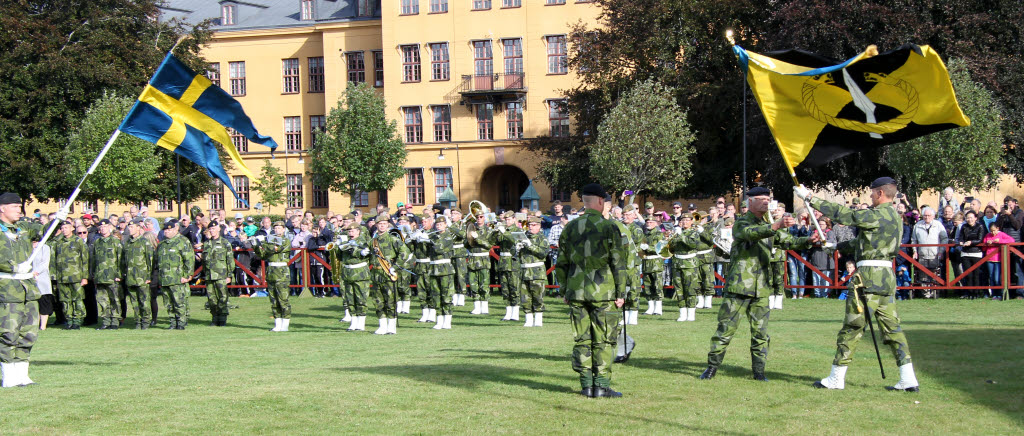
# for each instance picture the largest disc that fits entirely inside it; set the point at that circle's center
(532, 252)
(278, 277)
(654, 265)
(420, 246)
(592, 270)
(19, 293)
(354, 257)
(685, 265)
(873, 285)
(219, 262)
(71, 271)
(634, 279)
(458, 231)
(138, 272)
(106, 275)
(508, 266)
(705, 280)
(405, 278)
(778, 269)
(442, 272)
(479, 264)
(748, 282)
(387, 248)
(176, 261)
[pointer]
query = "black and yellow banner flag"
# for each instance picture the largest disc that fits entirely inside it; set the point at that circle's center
(820, 109)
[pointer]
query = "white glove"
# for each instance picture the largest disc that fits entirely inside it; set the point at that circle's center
(23, 268)
(700, 229)
(502, 229)
(802, 192)
(644, 247)
(527, 243)
(679, 230)
(829, 245)
(474, 234)
(61, 215)
(365, 252)
(261, 238)
(391, 270)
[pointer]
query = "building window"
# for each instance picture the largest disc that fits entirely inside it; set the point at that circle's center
(410, 63)
(513, 51)
(162, 205)
(481, 4)
(442, 180)
(442, 123)
(438, 6)
(306, 7)
(216, 195)
(293, 133)
(236, 72)
(483, 64)
(319, 197)
(413, 125)
(360, 198)
(213, 73)
(414, 186)
(290, 72)
(557, 55)
(366, 8)
(511, 3)
(485, 121)
(316, 74)
(514, 117)
(378, 69)
(356, 67)
(439, 61)
(239, 140)
(563, 196)
(317, 124)
(382, 197)
(558, 116)
(227, 14)
(242, 188)
(555, 2)
(410, 7)
(295, 191)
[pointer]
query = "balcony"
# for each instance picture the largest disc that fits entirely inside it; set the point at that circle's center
(492, 88)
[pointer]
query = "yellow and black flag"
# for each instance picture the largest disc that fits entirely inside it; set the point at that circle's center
(820, 109)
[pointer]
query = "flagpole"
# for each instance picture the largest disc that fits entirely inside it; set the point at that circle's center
(177, 176)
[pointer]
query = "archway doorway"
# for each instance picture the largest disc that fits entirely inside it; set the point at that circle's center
(501, 186)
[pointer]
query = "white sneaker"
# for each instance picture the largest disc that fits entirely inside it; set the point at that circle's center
(657, 307)
(835, 380)
(538, 319)
(508, 313)
(515, 313)
(447, 322)
(682, 314)
(383, 329)
(691, 314)
(529, 320)
(392, 326)
(277, 325)
(284, 324)
(10, 378)
(908, 381)
(485, 307)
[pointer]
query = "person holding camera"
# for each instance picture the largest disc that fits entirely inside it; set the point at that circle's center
(1009, 221)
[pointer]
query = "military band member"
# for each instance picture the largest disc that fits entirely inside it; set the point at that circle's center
(748, 282)
(138, 272)
(686, 244)
(873, 284)
(634, 264)
(19, 293)
(176, 262)
(405, 278)
(458, 230)
(106, 276)
(419, 243)
(71, 272)
(778, 265)
(386, 247)
(705, 280)
(277, 254)
(479, 242)
(508, 265)
(653, 265)
(354, 260)
(442, 272)
(219, 264)
(532, 252)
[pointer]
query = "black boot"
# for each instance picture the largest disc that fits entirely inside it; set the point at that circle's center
(759, 376)
(587, 392)
(601, 392)
(758, 370)
(709, 373)
(173, 324)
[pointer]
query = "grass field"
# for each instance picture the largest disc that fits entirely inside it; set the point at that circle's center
(486, 376)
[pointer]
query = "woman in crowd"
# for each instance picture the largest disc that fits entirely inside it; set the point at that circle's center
(969, 236)
(990, 216)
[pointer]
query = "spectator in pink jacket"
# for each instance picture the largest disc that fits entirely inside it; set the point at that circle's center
(996, 237)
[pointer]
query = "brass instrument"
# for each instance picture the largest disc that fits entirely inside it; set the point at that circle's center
(337, 242)
(699, 216)
(662, 248)
(382, 262)
(400, 232)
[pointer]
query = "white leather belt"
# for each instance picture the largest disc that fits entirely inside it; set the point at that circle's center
(484, 254)
(883, 263)
(703, 252)
(505, 254)
(277, 263)
(25, 276)
(533, 265)
(686, 256)
(458, 246)
(422, 260)
(440, 261)
(356, 265)
(978, 255)
(652, 257)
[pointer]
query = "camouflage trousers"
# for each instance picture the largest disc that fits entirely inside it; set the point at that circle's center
(653, 285)
(442, 288)
(509, 281)
(728, 320)
(595, 328)
(217, 295)
(19, 328)
(384, 297)
(778, 272)
(480, 283)
(108, 303)
(279, 304)
(72, 300)
(633, 282)
(533, 296)
(356, 294)
(402, 286)
(425, 290)
(138, 298)
(177, 305)
(883, 311)
(461, 274)
(705, 281)
(684, 280)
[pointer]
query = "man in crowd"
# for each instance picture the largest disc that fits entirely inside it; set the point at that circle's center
(634, 279)
(1010, 219)
(354, 258)
(138, 268)
(106, 276)
(442, 272)
(929, 232)
(71, 272)
(458, 231)
(419, 243)
(176, 262)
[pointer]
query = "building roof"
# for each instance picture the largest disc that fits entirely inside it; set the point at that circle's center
(448, 196)
(263, 14)
(530, 193)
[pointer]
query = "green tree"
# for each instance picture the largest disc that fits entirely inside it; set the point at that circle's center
(271, 185)
(966, 158)
(644, 143)
(359, 149)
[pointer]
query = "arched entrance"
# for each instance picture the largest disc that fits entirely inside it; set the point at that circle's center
(501, 186)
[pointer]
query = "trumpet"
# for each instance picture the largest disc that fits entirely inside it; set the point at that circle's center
(337, 242)
(699, 216)
(662, 249)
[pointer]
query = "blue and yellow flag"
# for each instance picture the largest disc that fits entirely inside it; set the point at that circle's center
(820, 109)
(183, 112)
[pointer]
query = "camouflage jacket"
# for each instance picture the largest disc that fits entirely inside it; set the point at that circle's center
(15, 248)
(753, 239)
(479, 249)
(531, 257)
(218, 259)
(137, 261)
(70, 260)
(686, 246)
(352, 256)
(105, 261)
(421, 252)
(175, 259)
(391, 249)
(506, 250)
(440, 253)
(705, 246)
(277, 257)
(591, 259)
(630, 234)
(880, 230)
(458, 232)
(652, 262)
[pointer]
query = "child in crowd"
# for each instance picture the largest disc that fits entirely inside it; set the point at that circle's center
(845, 278)
(902, 279)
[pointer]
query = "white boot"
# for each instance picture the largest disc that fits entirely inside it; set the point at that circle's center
(432, 315)
(348, 316)
(634, 317)
(515, 313)
(284, 324)
(778, 301)
(391, 326)
(10, 371)
(700, 302)
(682, 314)
(529, 320)
(707, 302)
(908, 381)
(835, 380)
(277, 325)
(508, 313)
(447, 322)
(383, 329)
(360, 324)
(650, 308)
(538, 319)
(691, 314)
(23, 373)
(462, 299)
(771, 302)
(455, 299)
(657, 307)
(426, 314)
(401, 307)
(476, 307)
(440, 322)
(485, 307)
(354, 325)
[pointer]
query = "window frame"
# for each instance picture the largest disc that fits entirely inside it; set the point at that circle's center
(511, 122)
(239, 141)
(213, 73)
(378, 68)
(321, 197)
(215, 196)
(293, 133)
(440, 59)
(355, 63)
(306, 10)
(410, 188)
(411, 60)
(242, 188)
(409, 7)
(236, 75)
(443, 128)
(414, 129)
(228, 14)
(509, 4)
(557, 59)
(290, 76)
(564, 122)
(293, 191)
(484, 126)
(317, 124)
(450, 179)
(315, 66)
(481, 5)
(438, 6)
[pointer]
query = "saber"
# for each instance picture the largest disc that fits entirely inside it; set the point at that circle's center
(867, 316)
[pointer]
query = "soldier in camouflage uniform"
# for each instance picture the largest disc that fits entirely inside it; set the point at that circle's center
(873, 284)
(508, 265)
(748, 283)
(276, 254)
(71, 272)
(19, 294)
(458, 230)
(419, 243)
(778, 265)
(705, 280)
(479, 242)
(175, 260)
(653, 265)
(219, 263)
(105, 266)
(686, 244)
(442, 272)
(386, 247)
(592, 270)
(405, 278)
(634, 264)
(354, 260)
(532, 252)
(138, 272)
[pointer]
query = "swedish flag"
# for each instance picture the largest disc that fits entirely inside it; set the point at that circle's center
(820, 109)
(183, 112)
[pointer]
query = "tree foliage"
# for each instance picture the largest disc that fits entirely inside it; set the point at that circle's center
(271, 185)
(359, 149)
(644, 143)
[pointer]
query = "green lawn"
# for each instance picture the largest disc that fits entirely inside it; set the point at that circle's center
(486, 376)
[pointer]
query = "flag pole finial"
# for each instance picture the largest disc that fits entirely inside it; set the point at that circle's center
(730, 37)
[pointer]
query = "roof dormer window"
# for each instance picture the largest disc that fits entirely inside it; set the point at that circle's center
(306, 10)
(228, 13)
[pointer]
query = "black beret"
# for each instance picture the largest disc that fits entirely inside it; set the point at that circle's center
(104, 221)
(607, 197)
(758, 191)
(172, 224)
(595, 190)
(9, 198)
(882, 181)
